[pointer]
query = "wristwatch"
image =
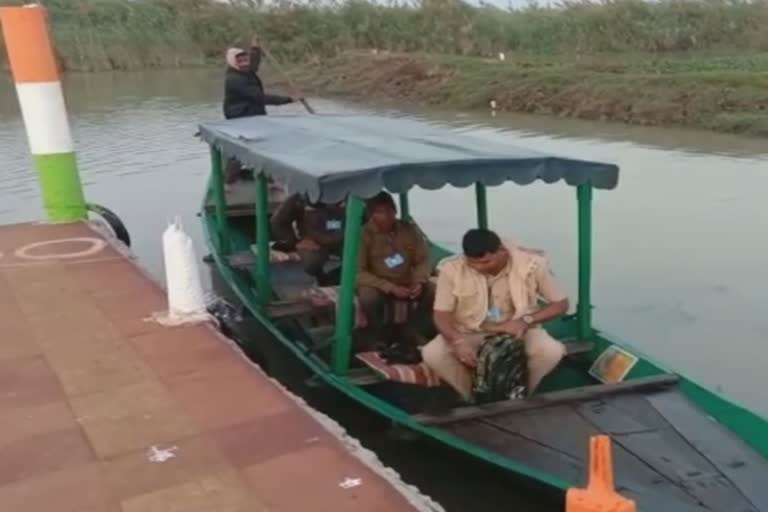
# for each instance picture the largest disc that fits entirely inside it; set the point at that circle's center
(528, 319)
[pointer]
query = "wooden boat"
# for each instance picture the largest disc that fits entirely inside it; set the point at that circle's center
(678, 447)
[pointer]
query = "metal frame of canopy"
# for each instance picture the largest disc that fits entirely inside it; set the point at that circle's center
(342, 345)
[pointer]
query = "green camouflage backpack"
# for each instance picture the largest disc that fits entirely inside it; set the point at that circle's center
(502, 370)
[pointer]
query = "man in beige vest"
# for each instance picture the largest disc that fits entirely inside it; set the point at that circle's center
(494, 287)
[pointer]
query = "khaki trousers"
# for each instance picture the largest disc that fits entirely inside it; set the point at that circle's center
(544, 354)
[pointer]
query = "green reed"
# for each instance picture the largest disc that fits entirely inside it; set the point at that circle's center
(120, 34)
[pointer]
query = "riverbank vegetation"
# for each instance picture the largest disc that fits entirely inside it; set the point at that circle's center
(693, 62)
(728, 93)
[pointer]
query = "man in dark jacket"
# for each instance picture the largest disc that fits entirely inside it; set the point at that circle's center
(320, 230)
(244, 92)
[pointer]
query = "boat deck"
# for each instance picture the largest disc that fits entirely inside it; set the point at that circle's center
(103, 410)
(668, 455)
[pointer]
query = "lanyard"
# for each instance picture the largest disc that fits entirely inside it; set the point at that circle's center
(391, 243)
(489, 285)
(494, 312)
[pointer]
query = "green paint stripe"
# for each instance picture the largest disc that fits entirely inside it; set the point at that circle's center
(62, 192)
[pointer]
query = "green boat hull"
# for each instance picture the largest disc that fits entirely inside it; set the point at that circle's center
(743, 424)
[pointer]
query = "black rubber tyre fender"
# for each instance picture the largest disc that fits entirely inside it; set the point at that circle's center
(111, 218)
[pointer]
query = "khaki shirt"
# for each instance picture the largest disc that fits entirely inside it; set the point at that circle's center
(471, 295)
(376, 267)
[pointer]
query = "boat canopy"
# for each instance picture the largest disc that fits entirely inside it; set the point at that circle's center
(330, 156)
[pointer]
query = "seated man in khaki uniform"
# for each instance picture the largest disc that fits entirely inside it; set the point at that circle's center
(394, 266)
(493, 288)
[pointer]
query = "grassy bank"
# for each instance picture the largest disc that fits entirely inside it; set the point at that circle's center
(692, 62)
(721, 93)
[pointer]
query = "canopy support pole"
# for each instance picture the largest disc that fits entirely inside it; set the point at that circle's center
(345, 314)
(263, 282)
(584, 307)
(481, 202)
(220, 200)
(405, 210)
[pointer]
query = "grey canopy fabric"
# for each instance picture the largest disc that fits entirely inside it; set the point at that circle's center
(329, 156)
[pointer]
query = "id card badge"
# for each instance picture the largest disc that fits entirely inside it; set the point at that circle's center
(333, 225)
(394, 261)
(494, 314)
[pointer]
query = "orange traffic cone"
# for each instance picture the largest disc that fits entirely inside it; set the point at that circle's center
(600, 494)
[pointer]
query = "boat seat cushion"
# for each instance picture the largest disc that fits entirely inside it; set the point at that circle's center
(417, 374)
(420, 374)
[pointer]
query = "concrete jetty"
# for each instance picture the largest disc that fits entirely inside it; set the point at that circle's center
(104, 410)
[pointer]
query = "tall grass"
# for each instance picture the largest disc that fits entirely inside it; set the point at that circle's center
(128, 34)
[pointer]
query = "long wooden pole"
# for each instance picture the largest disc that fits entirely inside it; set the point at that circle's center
(287, 78)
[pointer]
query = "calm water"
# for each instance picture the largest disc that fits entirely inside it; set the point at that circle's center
(679, 246)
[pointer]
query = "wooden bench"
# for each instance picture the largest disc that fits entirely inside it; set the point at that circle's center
(575, 347)
(294, 309)
(242, 260)
(366, 376)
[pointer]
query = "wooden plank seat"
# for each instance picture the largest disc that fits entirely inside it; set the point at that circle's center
(321, 332)
(241, 198)
(576, 347)
(419, 374)
(242, 210)
(319, 299)
(281, 309)
(322, 300)
(244, 260)
(234, 210)
(364, 376)
(312, 300)
(578, 394)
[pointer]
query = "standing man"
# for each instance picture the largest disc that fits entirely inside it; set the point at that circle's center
(493, 288)
(394, 265)
(244, 92)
